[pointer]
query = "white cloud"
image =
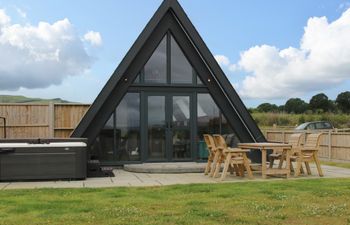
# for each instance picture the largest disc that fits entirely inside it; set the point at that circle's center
(224, 62)
(39, 56)
(93, 37)
(321, 61)
(4, 19)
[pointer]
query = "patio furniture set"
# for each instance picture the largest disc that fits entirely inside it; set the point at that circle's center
(236, 160)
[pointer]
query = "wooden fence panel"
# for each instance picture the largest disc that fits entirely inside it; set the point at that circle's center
(67, 117)
(27, 121)
(333, 145)
(40, 120)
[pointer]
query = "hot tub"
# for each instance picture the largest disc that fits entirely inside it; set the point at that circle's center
(42, 159)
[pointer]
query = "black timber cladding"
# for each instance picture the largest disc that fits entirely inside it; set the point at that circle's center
(170, 17)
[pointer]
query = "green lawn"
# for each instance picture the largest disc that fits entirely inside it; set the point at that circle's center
(338, 164)
(316, 201)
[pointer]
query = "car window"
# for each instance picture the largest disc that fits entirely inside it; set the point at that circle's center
(327, 125)
(320, 126)
(301, 126)
(311, 126)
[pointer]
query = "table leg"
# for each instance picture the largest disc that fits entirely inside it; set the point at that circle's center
(263, 163)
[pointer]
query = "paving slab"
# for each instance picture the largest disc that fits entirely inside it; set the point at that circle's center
(131, 179)
(3, 185)
(159, 168)
(31, 185)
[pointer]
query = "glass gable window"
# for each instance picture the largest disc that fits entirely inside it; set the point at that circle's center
(210, 120)
(181, 69)
(128, 128)
(199, 81)
(119, 140)
(175, 70)
(155, 70)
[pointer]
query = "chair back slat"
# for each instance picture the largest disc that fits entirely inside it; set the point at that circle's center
(209, 142)
(313, 140)
(295, 139)
(220, 141)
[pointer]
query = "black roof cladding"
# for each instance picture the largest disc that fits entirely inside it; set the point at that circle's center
(170, 16)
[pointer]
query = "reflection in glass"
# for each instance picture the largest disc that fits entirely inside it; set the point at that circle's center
(181, 69)
(181, 127)
(103, 147)
(211, 121)
(181, 144)
(155, 68)
(119, 140)
(181, 111)
(208, 120)
(199, 81)
(128, 128)
(138, 79)
(156, 127)
(231, 138)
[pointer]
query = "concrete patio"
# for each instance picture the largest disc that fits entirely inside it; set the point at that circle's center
(130, 179)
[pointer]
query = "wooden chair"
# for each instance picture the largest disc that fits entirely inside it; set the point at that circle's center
(217, 160)
(212, 150)
(235, 158)
(308, 153)
(295, 141)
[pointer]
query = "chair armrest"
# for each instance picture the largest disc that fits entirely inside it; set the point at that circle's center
(237, 150)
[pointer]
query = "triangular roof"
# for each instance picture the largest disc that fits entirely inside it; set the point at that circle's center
(170, 16)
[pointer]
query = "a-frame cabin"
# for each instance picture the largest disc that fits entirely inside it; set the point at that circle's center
(166, 93)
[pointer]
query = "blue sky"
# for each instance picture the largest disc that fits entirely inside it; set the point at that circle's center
(239, 33)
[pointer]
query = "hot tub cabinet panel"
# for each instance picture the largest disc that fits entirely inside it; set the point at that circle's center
(57, 160)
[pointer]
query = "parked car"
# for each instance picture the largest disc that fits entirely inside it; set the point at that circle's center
(317, 125)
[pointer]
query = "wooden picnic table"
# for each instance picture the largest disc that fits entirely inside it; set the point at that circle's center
(263, 147)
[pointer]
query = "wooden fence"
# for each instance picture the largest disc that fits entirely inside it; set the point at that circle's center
(40, 120)
(334, 145)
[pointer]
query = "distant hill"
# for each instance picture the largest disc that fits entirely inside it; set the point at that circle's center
(23, 99)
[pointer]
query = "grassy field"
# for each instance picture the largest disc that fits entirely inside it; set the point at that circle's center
(316, 201)
(23, 99)
(265, 120)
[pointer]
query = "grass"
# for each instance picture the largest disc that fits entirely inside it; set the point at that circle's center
(338, 164)
(282, 119)
(316, 201)
(23, 99)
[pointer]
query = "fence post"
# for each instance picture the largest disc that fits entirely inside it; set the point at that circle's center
(283, 137)
(51, 117)
(329, 145)
(4, 126)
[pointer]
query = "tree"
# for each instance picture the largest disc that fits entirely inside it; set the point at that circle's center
(295, 105)
(267, 107)
(320, 102)
(343, 101)
(281, 108)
